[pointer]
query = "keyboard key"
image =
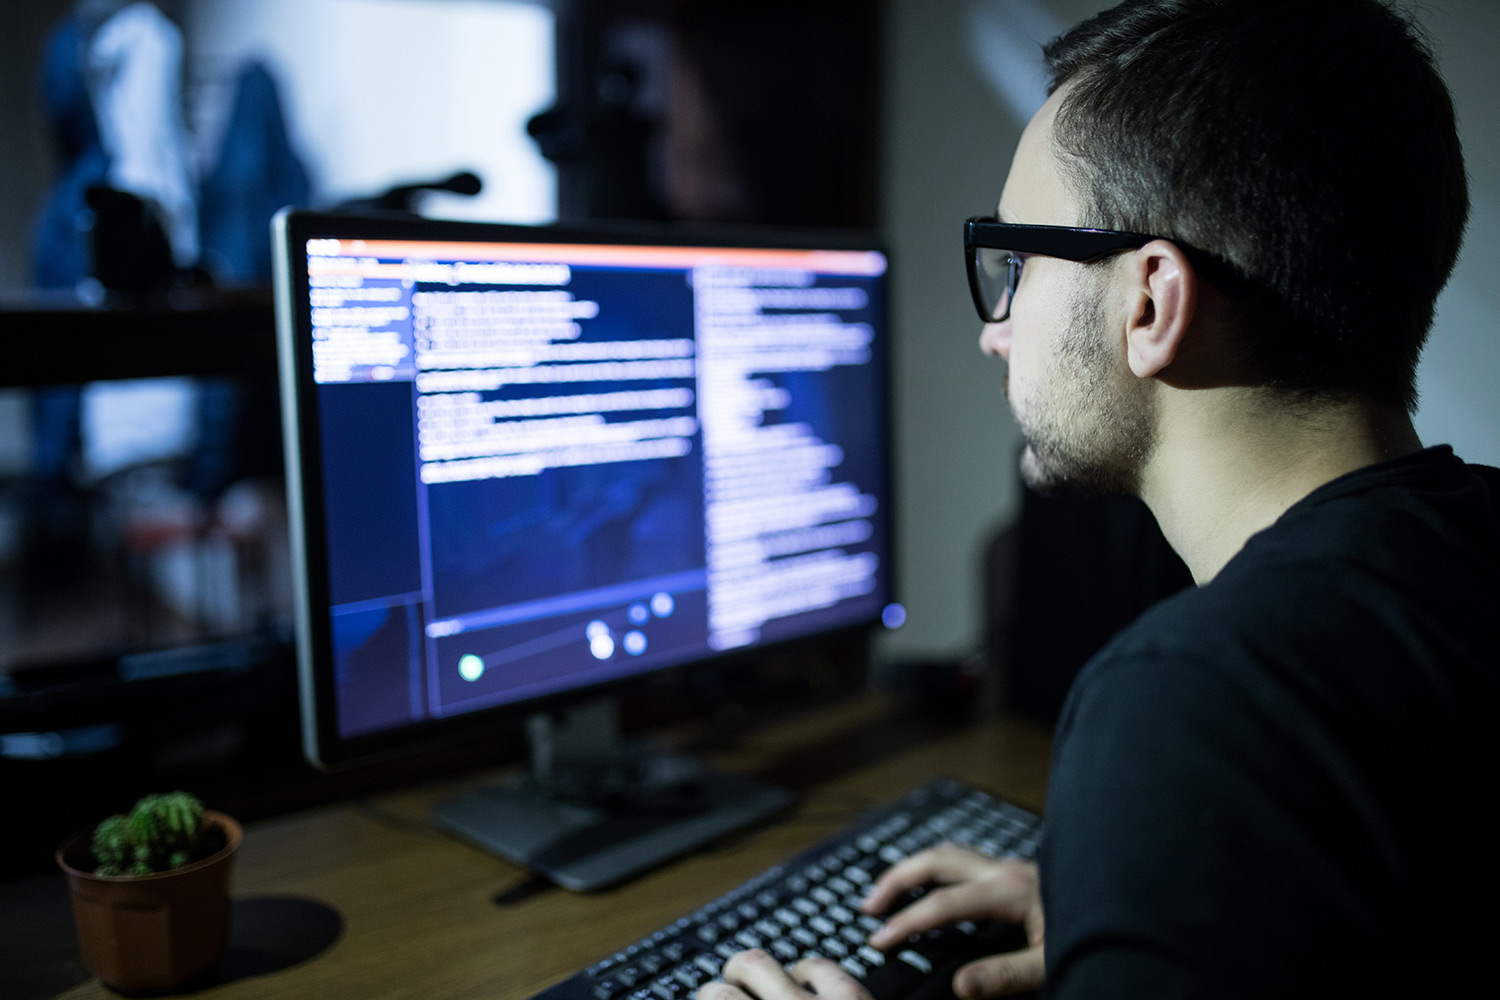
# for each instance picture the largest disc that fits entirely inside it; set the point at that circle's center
(852, 966)
(784, 950)
(668, 989)
(893, 979)
(857, 875)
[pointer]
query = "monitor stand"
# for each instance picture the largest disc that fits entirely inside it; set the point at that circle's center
(593, 811)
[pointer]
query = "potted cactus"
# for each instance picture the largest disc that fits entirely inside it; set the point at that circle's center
(151, 892)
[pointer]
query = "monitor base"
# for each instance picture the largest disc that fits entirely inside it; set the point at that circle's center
(583, 846)
(592, 813)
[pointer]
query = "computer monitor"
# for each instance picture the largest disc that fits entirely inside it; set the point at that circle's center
(526, 465)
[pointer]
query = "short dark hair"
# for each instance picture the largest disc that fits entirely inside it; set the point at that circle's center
(1310, 143)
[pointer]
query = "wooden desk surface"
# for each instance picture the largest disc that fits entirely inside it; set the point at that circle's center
(417, 914)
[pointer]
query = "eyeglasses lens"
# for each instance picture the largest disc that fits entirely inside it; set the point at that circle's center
(997, 271)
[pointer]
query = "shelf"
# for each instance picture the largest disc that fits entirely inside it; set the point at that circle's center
(57, 340)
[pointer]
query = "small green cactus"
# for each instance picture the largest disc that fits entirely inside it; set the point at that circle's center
(162, 832)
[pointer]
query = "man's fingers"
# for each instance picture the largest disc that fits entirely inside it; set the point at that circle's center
(761, 976)
(828, 981)
(999, 975)
(717, 989)
(1000, 890)
(947, 863)
(965, 901)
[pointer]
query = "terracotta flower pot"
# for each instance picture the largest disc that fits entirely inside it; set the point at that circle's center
(147, 933)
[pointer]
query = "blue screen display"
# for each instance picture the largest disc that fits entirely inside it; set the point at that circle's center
(545, 467)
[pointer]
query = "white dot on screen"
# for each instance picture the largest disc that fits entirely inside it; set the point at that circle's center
(638, 613)
(635, 643)
(602, 646)
(894, 616)
(470, 667)
(662, 604)
(595, 629)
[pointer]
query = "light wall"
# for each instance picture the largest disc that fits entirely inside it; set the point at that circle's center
(952, 123)
(1459, 380)
(383, 92)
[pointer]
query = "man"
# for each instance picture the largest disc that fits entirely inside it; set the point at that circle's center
(1275, 784)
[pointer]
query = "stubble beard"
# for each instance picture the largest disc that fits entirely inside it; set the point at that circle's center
(1092, 428)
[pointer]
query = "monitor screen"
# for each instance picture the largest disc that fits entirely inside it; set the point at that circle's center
(527, 462)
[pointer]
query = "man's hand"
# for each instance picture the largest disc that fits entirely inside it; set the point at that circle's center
(756, 974)
(971, 887)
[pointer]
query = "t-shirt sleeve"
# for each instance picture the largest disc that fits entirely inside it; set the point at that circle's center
(1176, 860)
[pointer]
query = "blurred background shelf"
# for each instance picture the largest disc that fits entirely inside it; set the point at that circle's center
(54, 338)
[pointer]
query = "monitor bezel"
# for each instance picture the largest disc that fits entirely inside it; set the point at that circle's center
(323, 744)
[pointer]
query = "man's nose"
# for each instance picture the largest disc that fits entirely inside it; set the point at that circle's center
(994, 339)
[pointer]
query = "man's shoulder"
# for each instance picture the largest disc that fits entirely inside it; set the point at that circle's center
(1389, 537)
(1374, 595)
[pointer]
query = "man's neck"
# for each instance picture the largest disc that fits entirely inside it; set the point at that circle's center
(1229, 462)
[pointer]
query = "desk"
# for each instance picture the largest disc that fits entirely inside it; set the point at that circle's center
(419, 912)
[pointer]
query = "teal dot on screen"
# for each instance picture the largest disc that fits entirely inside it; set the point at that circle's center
(470, 667)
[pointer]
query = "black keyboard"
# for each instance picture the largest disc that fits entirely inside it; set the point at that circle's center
(810, 906)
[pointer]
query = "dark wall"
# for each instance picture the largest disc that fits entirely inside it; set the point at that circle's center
(729, 111)
(1061, 582)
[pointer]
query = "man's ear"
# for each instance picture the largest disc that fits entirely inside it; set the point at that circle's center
(1163, 301)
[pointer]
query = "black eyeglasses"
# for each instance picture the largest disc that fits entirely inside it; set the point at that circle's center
(996, 252)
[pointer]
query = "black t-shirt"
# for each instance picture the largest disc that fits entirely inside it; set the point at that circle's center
(1285, 782)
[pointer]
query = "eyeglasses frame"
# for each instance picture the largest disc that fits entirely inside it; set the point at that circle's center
(1066, 243)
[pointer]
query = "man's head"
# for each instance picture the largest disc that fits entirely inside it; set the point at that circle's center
(1309, 143)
